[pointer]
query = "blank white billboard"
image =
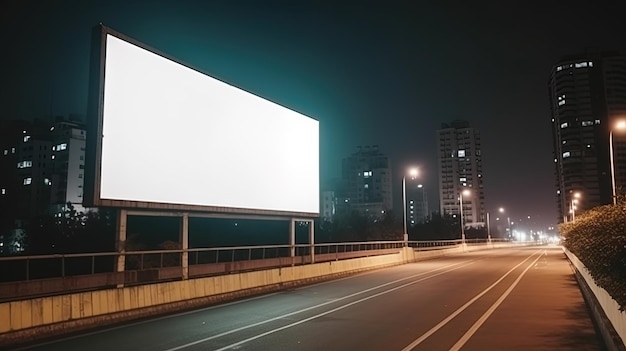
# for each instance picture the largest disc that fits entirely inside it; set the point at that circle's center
(172, 135)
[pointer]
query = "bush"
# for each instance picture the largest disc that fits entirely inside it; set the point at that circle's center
(598, 239)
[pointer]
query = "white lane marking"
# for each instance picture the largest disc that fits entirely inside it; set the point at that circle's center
(462, 308)
(488, 313)
(459, 265)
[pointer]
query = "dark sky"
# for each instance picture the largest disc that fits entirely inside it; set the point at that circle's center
(384, 73)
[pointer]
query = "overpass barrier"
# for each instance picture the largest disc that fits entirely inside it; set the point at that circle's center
(611, 320)
(33, 318)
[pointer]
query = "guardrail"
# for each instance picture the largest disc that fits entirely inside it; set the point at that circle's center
(42, 275)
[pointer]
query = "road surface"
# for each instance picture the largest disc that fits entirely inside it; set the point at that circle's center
(505, 299)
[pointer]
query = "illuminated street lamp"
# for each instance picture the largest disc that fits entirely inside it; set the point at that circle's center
(573, 204)
(621, 125)
(413, 174)
(501, 210)
(465, 192)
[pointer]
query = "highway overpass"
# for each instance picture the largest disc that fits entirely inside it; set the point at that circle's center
(508, 298)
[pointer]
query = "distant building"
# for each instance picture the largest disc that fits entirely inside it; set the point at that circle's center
(68, 153)
(366, 183)
(328, 206)
(460, 168)
(587, 95)
(41, 168)
(416, 203)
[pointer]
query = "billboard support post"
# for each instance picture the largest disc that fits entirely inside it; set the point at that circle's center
(184, 244)
(120, 243)
(292, 240)
(312, 240)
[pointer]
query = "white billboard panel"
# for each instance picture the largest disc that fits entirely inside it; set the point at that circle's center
(174, 136)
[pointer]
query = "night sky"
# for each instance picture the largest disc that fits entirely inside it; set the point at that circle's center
(381, 73)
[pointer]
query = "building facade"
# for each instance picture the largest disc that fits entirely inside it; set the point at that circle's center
(460, 168)
(366, 183)
(587, 94)
(416, 203)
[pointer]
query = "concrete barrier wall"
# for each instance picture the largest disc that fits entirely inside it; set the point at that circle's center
(47, 316)
(608, 305)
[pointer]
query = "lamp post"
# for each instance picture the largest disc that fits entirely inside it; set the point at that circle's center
(413, 174)
(464, 192)
(619, 125)
(501, 210)
(573, 204)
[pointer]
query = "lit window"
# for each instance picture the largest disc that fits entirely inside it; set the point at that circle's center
(463, 179)
(366, 186)
(590, 64)
(461, 153)
(563, 125)
(559, 68)
(566, 154)
(26, 138)
(53, 157)
(6, 152)
(47, 181)
(367, 174)
(581, 64)
(4, 191)
(28, 180)
(597, 121)
(25, 164)
(587, 123)
(12, 150)
(562, 102)
(564, 142)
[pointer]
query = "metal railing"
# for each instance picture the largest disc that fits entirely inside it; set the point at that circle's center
(47, 274)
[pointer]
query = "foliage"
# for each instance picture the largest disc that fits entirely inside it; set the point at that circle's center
(598, 238)
(72, 232)
(438, 227)
(354, 226)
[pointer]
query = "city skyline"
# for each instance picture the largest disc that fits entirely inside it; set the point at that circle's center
(370, 74)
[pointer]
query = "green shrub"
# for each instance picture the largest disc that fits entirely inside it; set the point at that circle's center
(598, 238)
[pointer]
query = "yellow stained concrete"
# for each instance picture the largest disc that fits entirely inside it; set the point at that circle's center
(37, 311)
(16, 315)
(5, 317)
(47, 311)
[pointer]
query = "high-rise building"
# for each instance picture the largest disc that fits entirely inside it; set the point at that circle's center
(68, 152)
(460, 168)
(416, 203)
(587, 96)
(366, 183)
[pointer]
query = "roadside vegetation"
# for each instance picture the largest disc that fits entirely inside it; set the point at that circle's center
(598, 238)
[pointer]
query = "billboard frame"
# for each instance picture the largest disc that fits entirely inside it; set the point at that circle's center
(95, 119)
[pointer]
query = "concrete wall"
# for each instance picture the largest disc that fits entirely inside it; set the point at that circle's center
(39, 317)
(611, 321)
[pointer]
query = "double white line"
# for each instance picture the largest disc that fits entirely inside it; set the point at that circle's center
(484, 317)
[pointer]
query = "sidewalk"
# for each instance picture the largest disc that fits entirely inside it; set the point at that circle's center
(550, 312)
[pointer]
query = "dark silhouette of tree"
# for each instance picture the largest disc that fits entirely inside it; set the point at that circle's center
(438, 227)
(72, 232)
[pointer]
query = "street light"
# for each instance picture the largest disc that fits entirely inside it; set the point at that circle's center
(621, 124)
(413, 174)
(465, 192)
(501, 210)
(573, 204)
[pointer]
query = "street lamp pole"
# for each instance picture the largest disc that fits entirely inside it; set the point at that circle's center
(464, 192)
(488, 231)
(405, 236)
(618, 125)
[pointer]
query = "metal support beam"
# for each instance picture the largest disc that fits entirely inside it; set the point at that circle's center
(312, 240)
(184, 244)
(120, 242)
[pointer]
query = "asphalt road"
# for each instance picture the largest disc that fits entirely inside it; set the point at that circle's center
(505, 299)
